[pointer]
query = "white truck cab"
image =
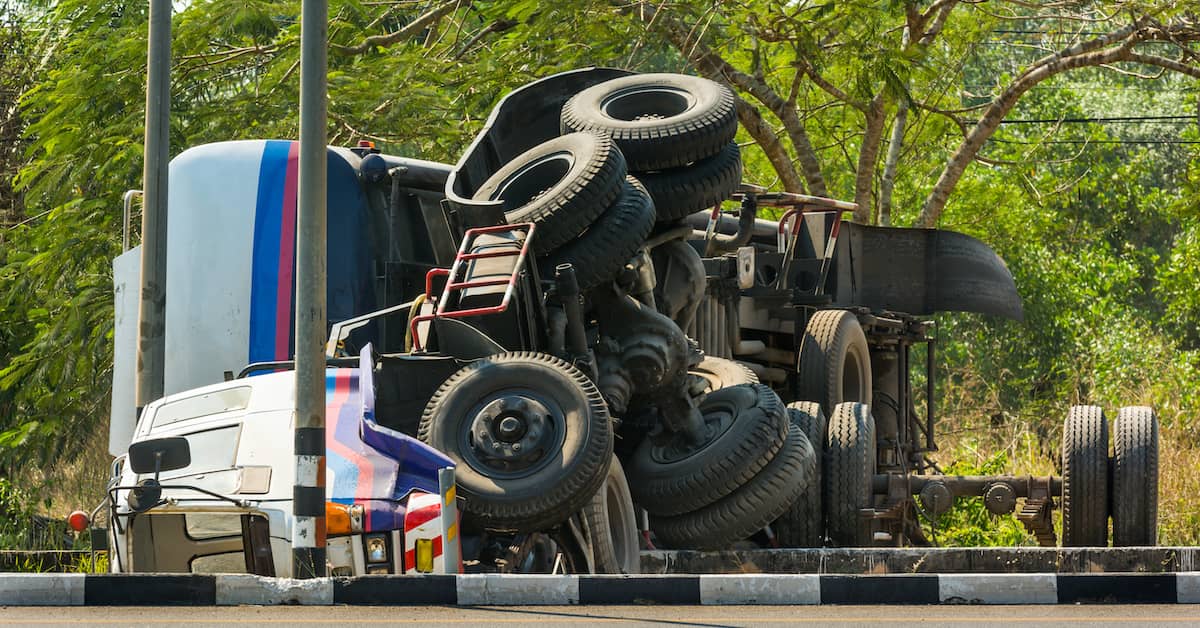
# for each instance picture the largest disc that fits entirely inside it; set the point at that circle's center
(206, 486)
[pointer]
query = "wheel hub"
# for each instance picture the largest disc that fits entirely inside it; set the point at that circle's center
(678, 446)
(512, 433)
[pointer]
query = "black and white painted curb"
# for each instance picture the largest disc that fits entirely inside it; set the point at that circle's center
(493, 589)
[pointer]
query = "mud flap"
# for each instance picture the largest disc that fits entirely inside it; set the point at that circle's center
(922, 271)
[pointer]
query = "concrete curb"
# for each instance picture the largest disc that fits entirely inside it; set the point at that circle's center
(928, 560)
(495, 589)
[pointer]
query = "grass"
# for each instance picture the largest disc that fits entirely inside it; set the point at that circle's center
(1018, 447)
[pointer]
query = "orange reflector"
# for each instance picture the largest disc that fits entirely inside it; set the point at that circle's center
(366, 144)
(337, 519)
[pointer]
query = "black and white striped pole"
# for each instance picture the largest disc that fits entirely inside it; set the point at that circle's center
(308, 526)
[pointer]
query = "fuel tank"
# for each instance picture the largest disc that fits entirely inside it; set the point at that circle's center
(231, 233)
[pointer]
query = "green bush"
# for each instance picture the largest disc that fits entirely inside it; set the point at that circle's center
(21, 528)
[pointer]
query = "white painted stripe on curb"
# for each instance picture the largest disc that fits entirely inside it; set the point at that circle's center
(1003, 588)
(512, 589)
(760, 589)
(1187, 587)
(42, 589)
(237, 589)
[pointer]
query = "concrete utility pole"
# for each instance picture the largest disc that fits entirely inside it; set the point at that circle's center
(308, 529)
(152, 309)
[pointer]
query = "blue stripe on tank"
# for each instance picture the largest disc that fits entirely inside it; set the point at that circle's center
(264, 274)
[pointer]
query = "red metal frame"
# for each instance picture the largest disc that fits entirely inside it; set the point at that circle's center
(458, 267)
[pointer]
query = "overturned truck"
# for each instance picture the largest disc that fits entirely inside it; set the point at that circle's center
(822, 311)
(567, 318)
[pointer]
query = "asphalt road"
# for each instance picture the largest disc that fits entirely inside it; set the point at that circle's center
(548, 616)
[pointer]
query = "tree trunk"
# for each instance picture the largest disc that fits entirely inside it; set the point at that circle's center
(889, 166)
(768, 141)
(868, 157)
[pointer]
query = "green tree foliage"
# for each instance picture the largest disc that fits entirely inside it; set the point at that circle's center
(416, 77)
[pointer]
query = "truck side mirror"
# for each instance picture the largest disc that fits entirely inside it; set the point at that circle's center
(159, 454)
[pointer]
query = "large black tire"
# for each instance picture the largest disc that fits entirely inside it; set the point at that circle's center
(1135, 477)
(612, 525)
(803, 523)
(748, 509)
(835, 362)
(720, 373)
(561, 186)
(1085, 478)
(849, 469)
(658, 120)
(601, 252)
(534, 471)
(746, 428)
(678, 192)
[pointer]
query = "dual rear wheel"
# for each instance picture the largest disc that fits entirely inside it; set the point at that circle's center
(1096, 485)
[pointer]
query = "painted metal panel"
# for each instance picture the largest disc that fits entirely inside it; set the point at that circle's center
(123, 411)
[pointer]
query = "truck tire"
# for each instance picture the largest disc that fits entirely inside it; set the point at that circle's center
(658, 120)
(749, 508)
(720, 373)
(1135, 477)
(612, 525)
(849, 468)
(835, 363)
(1085, 478)
(530, 437)
(803, 523)
(561, 186)
(679, 192)
(746, 428)
(601, 252)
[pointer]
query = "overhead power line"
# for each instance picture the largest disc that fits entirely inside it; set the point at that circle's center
(1123, 119)
(1142, 142)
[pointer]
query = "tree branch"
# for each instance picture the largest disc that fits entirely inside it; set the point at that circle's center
(830, 88)
(410, 29)
(1163, 62)
(768, 141)
(498, 26)
(1086, 54)
(943, 9)
(868, 156)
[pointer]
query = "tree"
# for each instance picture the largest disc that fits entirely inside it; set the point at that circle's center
(416, 78)
(803, 65)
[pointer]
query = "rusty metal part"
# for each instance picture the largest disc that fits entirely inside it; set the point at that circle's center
(680, 281)
(1039, 505)
(936, 498)
(642, 352)
(976, 485)
(937, 493)
(1000, 498)
(789, 199)
(716, 244)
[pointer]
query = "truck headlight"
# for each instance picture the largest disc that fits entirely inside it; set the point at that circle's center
(376, 548)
